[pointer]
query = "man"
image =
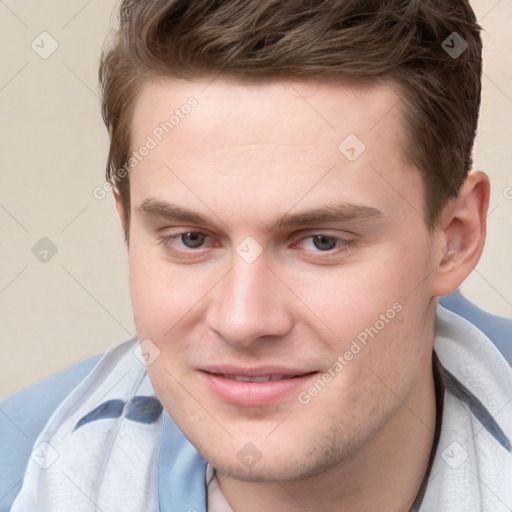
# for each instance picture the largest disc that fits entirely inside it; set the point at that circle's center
(293, 181)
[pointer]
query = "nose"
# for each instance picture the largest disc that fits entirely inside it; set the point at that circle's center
(249, 304)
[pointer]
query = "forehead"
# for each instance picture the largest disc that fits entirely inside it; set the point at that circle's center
(273, 141)
(305, 109)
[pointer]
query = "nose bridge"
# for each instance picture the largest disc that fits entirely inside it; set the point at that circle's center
(249, 284)
(249, 304)
(244, 294)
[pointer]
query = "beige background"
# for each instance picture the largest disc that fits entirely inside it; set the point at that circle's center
(53, 151)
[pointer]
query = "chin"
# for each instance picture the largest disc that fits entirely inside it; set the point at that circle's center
(276, 462)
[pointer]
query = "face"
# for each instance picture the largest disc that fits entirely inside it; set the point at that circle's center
(278, 268)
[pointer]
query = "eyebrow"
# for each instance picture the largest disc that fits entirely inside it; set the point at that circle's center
(343, 212)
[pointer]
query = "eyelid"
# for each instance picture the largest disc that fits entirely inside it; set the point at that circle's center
(166, 240)
(345, 244)
(338, 234)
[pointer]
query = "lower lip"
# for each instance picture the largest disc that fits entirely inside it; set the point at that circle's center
(254, 394)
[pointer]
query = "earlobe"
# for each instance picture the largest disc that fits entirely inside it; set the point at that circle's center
(463, 230)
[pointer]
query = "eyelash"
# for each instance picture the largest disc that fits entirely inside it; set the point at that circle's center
(343, 243)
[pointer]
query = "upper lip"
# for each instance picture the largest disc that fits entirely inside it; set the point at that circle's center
(257, 371)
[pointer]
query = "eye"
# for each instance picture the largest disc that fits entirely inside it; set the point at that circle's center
(193, 239)
(191, 242)
(323, 243)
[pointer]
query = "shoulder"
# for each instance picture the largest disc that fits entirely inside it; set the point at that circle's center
(496, 328)
(22, 417)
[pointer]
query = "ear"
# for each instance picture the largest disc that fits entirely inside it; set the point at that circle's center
(120, 212)
(462, 234)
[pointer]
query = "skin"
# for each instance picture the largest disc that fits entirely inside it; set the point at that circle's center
(245, 156)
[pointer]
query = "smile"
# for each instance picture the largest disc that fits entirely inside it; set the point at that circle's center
(256, 390)
(260, 378)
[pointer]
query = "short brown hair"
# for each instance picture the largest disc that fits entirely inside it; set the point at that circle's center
(406, 42)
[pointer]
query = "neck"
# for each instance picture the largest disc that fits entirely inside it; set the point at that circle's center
(385, 474)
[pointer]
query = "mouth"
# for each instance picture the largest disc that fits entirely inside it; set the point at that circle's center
(257, 387)
(257, 378)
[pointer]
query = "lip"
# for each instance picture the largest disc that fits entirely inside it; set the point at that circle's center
(254, 394)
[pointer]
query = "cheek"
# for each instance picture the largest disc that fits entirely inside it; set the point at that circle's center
(352, 297)
(375, 311)
(160, 295)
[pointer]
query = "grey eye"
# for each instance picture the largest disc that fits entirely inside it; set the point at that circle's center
(193, 239)
(324, 243)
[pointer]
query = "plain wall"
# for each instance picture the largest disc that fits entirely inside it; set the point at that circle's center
(53, 152)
